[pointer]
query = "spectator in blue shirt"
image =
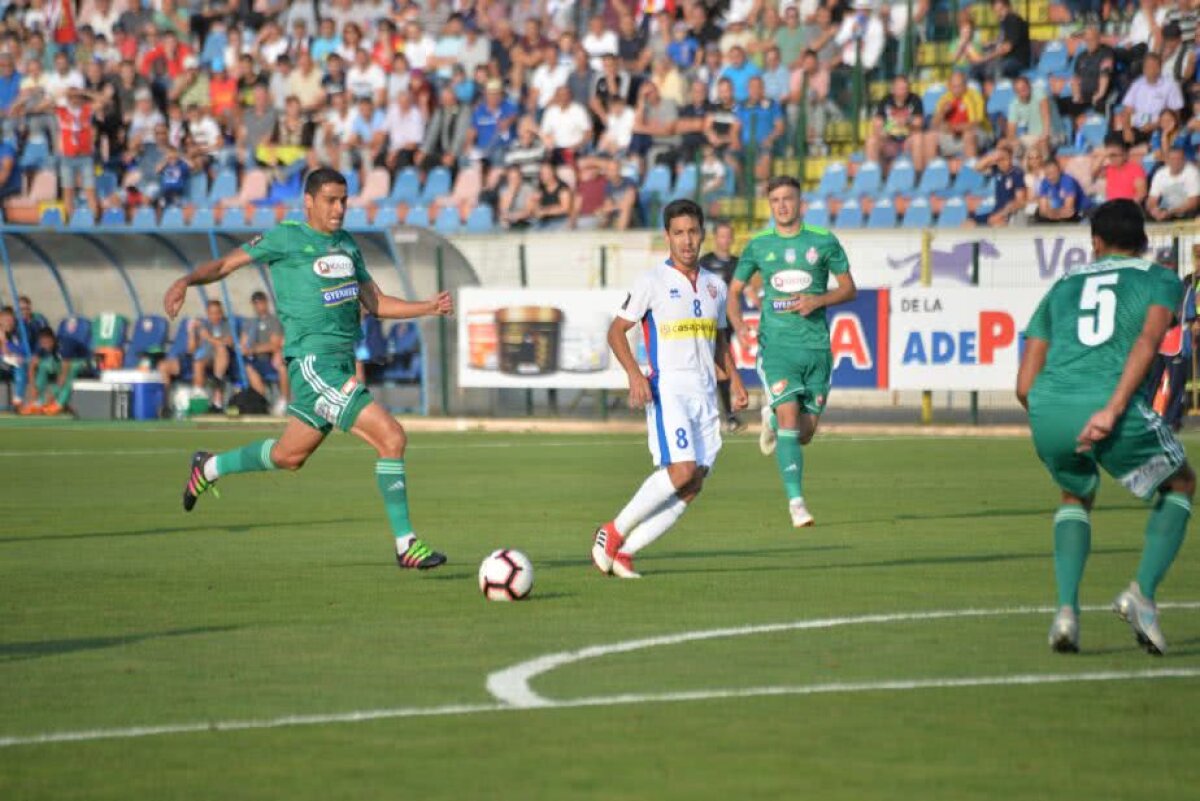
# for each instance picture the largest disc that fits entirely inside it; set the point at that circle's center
(762, 122)
(777, 79)
(683, 47)
(173, 175)
(1060, 198)
(492, 122)
(1010, 186)
(10, 174)
(326, 41)
(739, 71)
(10, 87)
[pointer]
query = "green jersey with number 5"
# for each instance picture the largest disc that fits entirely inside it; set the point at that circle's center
(1091, 317)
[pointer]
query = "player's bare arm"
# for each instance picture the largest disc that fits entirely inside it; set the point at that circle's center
(724, 359)
(733, 309)
(1032, 363)
(207, 273)
(391, 308)
(845, 292)
(618, 341)
(1137, 365)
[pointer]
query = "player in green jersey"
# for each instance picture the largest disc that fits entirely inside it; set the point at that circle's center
(795, 262)
(320, 281)
(1088, 349)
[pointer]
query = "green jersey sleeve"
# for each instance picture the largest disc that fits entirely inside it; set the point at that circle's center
(269, 246)
(1039, 323)
(747, 264)
(835, 257)
(1167, 290)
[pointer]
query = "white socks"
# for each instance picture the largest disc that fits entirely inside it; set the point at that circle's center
(654, 526)
(654, 493)
(210, 469)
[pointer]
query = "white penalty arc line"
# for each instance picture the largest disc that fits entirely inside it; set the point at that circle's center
(543, 663)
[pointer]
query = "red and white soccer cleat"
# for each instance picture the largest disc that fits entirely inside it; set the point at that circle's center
(623, 567)
(801, 518)
(604, 549)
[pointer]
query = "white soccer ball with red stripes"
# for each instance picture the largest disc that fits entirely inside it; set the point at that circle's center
(506, 575)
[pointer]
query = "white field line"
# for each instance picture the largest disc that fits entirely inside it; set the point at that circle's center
(452, 710)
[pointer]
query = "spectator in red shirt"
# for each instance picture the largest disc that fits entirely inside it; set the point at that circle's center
(171, 53)
(1124, 178)
(77, 144)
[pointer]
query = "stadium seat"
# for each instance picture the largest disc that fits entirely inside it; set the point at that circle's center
(437, 183)
(149, 338)
(447, 221)
(81, 217)
(418, 217)
(849, 215)
(817, 214)
(203, 218)
(234, 217)
(224, 187)
(264, 217)
(353, 183)
(372, 346)
(868, 180)
(481, 220)
(833, 180)
(1093, 130)
(75, 338)
(144, 217)
(172, 217)
(986, 206)
(356, 217)
(954, 213)
(929, 100)
(179, 351)
(656, 185)
(406, 189)
(374, 189)
(255, 186)
(198, 189)
(386, 217)
(902, 177)
(883, 213)
(968, 180)
(687, 183)
(109, 333)
(403, 353)
(918, 214)
(52, 217)
(294, 213)
(935, 178)
(1054, 58)
(1002, 96)
(106, 183)
(112, 217)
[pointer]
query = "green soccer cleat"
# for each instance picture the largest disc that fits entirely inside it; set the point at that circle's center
(419, 556)
(197, 484)
(1142, 616)
(1064, 631)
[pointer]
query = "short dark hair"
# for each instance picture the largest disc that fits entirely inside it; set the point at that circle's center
(1115, 140)
(1120, 224)
(722, 223)
(782, 180)
(682, 208)
(258, 295)
(320, 177)
(216, 303)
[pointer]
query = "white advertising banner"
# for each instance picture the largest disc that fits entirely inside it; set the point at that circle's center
(537, 338)
(966, 338)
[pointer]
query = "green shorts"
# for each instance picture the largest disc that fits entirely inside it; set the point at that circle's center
(796, 375)
(325, 392)
(1141, 453)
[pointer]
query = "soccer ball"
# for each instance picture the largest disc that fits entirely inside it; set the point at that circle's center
(506, 575)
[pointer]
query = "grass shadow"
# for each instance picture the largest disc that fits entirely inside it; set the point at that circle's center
(36, 649)
(234, 528)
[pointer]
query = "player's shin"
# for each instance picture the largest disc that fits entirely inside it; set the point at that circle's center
(393, 485)
(654, 492)
(1165, 531)
(789, 457)
(1072, 542)
(654, 526)
(251, 458)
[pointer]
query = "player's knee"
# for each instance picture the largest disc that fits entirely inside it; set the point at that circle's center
(392, 443)
(1184, 481)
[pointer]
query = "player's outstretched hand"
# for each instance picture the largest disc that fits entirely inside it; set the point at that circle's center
(443, 305)
(1097, 428)
(639, 391)
(173, 299)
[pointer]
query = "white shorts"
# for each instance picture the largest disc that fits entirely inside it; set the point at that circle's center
(683, 428)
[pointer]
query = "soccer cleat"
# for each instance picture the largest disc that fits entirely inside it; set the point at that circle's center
(197, 484)
(801, 518)
(1142, 616)
(419, 556)
(604, 549)
(52, 409)
(30, 409)
(1064, 631)
(766, 435)
(622, 567)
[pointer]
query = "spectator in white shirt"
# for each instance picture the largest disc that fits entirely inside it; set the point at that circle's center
(1149, 95)
(366, 79)
(598, 42)
(865, 25)
(405, 131)
(618, 128)
(1175, 188)
(548, 76)
(418, 46)
(566, 126)
(62, 78)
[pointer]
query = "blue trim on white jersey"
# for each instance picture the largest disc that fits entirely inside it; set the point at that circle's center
(664, 451)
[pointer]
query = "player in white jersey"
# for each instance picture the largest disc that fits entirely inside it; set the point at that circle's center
(681, 311)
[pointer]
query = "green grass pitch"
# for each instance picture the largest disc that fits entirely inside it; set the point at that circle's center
(281, 599)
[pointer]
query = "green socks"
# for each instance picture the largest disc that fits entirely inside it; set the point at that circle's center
(251, 458)
(392, 485)
(789, 456)
(1072, 541)
(1165, 531)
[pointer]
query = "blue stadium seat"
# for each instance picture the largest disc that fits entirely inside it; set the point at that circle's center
(372, 346)
(687, 183)
(918, 214)
(353, 183)
(932, 95)
(656, 185)
(833, 180)
(405, 189)
(386, 217)
(112, 217)
(403, 353)
(356, 217)
(868, 180)
(849, 215)
(144, 217)
(968, 180)
(75, 338)
(1054, 58)
(447, 221)
(481, 220)
(294, 213)
(149, 336)
(203, 218)
(81, 217)
(987, 206)
(52, 217)
(1002, 96)
(224, 186)
(954, 213)
(234, 217)
(172, 217)
(817, 214)
(935, 178)
(198, 189)
(902, 177)
(417, 217)
(437, 184)
(264, 217)
(883, 213)
(179, 351)
(1093, 130)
